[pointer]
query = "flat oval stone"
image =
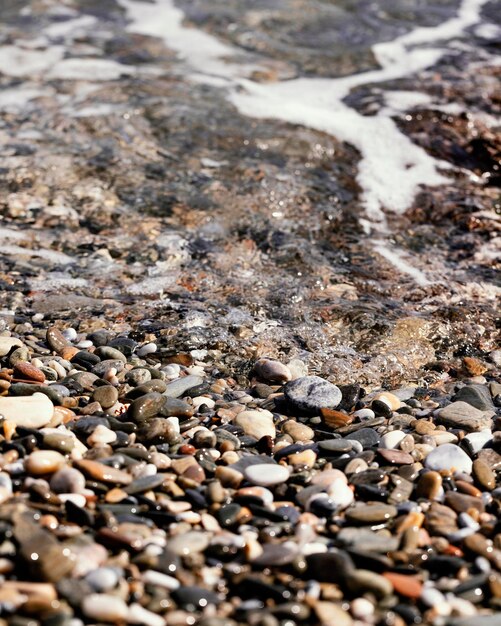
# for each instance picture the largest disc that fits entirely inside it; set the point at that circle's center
(266, 474)
(391, 440)
(312, 393)
(44, 462)
(336, 446)
(272, 371)
(107, 396)
(27, 371)
(256, 424)
(188, 543)
(29, 411)
(396, 457)
(104, 607)
(368, 437)
(373, 513)
(483, 474)
(180, 386)
(429, 485)
(56, 340)
(146, 406)
(449, 457)
(103, 473)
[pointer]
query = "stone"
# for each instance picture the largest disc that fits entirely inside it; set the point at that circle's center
(191, 542)
(102, 579)
(335, 446)
(266, 474)
(330, 614)
(272, 371)
(173, 407)
(107, 396)
(56, 340)
(28, 411)
(7, 343)
(146, 406)
(449, 457)
(27, 371)
(476, 441)
(103, 473)
(256, 423)
(371, 513)
(476, 395)
(44, 462)
(366, 540)
(158, 430)
(484, 475)
(298, 431)
(309, 394)
(364, 581)
(395, 457)
(101, 436)
(335, 419)
(368, 437)
(429, 485)
(180, 386)
(389, 399)
(391, 439)
(104, 608)
(67, 480)
(463, 415)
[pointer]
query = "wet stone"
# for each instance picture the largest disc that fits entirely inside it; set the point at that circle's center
(195, 598)
(106, 395)
(335, 446)
(309, 394)
(56, 340)
(484, 475)
(395, 457)
(181, 386)
(146, 406)
(371, 513)
(477, 396)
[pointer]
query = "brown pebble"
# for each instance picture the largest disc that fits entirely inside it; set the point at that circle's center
(407, 586)
(474, 366)
(424, 427)
(462, 503)
(69, 352)
(102, 472)
(335, 419)
(429, 485)
(396, 457)
(27, 371)
(483, 474)
(44, 462)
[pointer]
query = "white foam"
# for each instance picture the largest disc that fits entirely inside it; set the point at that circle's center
(70, 28)
(49, 255)
(392, 168)
(397, 259)
(17, 98)
(397, 101)
(17, 61)
(89, 69)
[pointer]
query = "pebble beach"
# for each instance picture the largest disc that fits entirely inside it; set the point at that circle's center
(250, 368)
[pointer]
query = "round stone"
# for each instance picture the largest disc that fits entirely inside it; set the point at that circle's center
(312, 393)
(449, 457)
(44, 462)
(265, 474)
(188, 543)
(67, 480)
(106, 395)
(392, 439)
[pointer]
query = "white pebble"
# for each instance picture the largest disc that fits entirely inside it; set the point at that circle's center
(361, 608)
(390, 440)
(84, 344)
(200, 400)
(148, 348)
(77, 498)
(139, 615)
(102, 579)
(104, 607)
(172, 371)
(364, 414)
(160, 580)
(70, 334)
(266, 474)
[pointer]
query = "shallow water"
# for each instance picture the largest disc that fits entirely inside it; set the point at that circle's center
(303, 178)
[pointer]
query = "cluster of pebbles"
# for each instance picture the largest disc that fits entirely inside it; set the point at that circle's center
(136, 489)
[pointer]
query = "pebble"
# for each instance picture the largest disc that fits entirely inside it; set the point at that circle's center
(309, 394)
(371, 513)
(449, 457)
(272, 371)
(266, 475)
(392, 439)
(44, 462)
(180, 386)
(463, 415)
(7, 343)
(483, 474)
(28, 411)
(104, 607)
(106, 395)
(191, 542)
(256, 423)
